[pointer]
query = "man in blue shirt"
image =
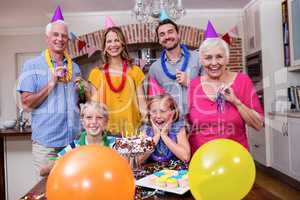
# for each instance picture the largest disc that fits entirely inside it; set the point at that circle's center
(48, 91)
(176, 66)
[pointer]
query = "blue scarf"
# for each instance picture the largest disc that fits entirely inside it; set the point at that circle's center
(186, 55)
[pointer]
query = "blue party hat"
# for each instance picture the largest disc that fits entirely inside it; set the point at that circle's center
(163, 15)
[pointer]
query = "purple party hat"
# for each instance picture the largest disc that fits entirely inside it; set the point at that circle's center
(210, 31)
(57, 15)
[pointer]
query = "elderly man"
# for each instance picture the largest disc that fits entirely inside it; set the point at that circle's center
(48, 91)
(176, 66)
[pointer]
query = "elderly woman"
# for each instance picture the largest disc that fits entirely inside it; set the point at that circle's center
(221, 102)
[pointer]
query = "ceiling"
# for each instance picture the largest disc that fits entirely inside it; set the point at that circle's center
(30, 13)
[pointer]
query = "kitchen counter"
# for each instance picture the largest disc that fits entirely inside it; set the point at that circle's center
(4, 134)
(288, 114)
(15, 132)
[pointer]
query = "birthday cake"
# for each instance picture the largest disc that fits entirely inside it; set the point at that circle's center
(134, 145)
(169, 178)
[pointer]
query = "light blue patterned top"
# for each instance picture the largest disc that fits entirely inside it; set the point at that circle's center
(56, 121)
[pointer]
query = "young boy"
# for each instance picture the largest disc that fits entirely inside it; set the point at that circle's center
(94, 118)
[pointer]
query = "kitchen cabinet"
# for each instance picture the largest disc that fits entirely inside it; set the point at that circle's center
(257, 144)
(280, 144)
(294, 146)
(16, 163)
(263, 21)
(284, 144)
(252, 29)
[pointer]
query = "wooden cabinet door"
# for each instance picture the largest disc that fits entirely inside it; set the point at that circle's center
(280, 144)
(294, 147)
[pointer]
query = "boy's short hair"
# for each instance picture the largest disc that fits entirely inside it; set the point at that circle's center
(96, 106)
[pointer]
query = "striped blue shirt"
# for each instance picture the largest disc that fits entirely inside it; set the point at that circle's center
(56, 121)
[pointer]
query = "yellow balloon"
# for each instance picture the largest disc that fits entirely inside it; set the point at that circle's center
(221, 169)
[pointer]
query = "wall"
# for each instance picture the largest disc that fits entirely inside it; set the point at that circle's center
(10, 45)
(144, 35)
(81, 23)
(13, 41)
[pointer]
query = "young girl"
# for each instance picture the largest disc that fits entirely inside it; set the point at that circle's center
(119, 84)
(94, 117)
(169, 137)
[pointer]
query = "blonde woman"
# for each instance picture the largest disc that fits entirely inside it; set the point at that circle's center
(118, 84)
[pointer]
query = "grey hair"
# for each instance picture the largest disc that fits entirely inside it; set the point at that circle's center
(212, 42)
(95, 106)
(49, 26)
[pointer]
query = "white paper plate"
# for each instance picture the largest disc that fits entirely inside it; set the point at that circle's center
(145, 182)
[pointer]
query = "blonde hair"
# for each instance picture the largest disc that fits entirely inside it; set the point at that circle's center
(124, 53)
(161, 97)
(95, 106)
